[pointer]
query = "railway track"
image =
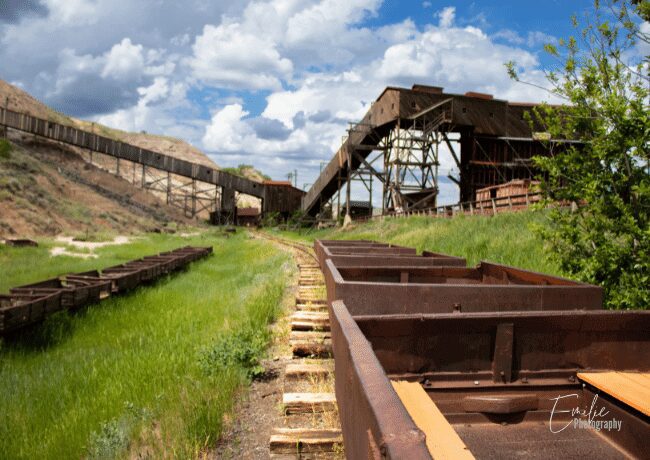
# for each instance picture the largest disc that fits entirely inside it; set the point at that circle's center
(310, 426)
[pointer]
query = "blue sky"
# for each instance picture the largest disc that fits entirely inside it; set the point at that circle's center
(267, 82)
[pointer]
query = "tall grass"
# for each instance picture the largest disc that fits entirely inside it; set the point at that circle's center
(129, 376)
(507, 238)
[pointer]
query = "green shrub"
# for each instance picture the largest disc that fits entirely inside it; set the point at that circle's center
(5, 149)
(242, 348)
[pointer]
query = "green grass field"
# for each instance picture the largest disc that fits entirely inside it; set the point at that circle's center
(506, 238)
(147, 373)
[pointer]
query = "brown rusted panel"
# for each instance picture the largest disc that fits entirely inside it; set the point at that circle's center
(464, 342)
(424, 260)
(502, 359)
(487, 287)
(369, 409)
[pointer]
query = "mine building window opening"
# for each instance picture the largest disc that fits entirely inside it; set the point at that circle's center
(491, 114)
(392, 106)
(413, 105)
(464, 109)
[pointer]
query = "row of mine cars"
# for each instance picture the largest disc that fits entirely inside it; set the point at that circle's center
(32, 303)
(437, 360)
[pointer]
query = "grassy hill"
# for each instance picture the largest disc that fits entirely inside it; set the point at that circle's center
(506, 238)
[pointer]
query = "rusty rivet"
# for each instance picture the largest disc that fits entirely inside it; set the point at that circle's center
(572, 378)
(457, 307)
(475, 382)
(524, 380)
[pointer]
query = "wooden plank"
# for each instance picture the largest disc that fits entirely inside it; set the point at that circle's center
(305, 440)
(310, 326)
(297, 371)
(303, 349)
(311, 315)
(631, 388)
(312, 301)
(442, 440)
(308, 403)
(309, 336)
(303, 307)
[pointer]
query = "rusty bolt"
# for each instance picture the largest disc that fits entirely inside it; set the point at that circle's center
(456, 307)
(572, 378)
(475, 382)
(524, 380)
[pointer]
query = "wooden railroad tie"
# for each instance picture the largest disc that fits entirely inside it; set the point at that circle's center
(308, 403)
(300, 300)
(305, 441)
(310, 321)
(306, 349)
(313, 308)
(300, 371)
(309, 336)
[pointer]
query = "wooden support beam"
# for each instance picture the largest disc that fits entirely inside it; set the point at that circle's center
(451, 149)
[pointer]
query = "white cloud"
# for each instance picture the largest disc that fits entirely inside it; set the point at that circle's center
(77, 12)
(227, 132)
(447, 16)
(459, 59)
(228, 56)
(123, 61)
(139, 62)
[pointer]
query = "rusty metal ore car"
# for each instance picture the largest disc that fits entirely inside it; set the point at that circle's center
(486, 362)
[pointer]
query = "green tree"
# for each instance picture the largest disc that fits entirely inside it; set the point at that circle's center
(600, 231)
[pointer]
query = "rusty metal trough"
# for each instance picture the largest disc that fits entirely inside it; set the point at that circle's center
(487, 287)
(453, 362)
(493, 376)
(20, 310)
(33, 302)
(370, 253)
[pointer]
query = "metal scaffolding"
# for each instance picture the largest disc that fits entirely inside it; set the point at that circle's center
(405, 160)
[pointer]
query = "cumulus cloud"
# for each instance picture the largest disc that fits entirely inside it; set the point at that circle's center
(124, 61)
(458, 58)
(86, 85)
(269, 82)
(228, 56)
